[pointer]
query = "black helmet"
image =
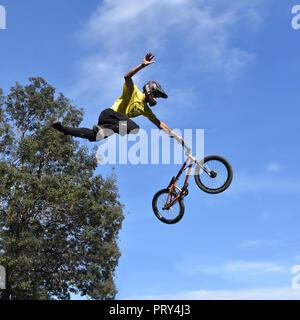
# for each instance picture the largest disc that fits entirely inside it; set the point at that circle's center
(153, 90)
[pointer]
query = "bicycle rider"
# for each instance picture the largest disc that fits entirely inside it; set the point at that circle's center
(132, 103)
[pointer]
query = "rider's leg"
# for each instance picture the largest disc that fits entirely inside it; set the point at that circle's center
(84, 133)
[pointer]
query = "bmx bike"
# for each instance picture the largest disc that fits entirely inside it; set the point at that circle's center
(212, 175)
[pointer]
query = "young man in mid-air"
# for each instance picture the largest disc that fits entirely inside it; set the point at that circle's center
(132, 103)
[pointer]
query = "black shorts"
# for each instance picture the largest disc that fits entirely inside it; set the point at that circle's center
(117, 122)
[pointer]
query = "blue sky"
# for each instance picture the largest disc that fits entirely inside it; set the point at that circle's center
(230, 68)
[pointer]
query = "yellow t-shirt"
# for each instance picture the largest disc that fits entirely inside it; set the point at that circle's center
(132, 104)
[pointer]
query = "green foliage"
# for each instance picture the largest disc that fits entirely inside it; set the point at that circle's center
(59, 223)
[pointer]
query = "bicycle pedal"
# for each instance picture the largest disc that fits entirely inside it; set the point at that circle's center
(186, 192)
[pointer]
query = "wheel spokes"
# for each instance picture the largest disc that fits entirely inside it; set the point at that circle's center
(221, 174)
(170, 213)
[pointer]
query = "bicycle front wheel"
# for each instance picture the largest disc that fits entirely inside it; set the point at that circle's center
(171, 215)
(220, 178)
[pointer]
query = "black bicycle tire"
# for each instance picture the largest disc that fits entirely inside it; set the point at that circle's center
(159, 216)
(225, 185)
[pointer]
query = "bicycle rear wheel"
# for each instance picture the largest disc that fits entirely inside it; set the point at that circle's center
(221, 177)
(171, 215)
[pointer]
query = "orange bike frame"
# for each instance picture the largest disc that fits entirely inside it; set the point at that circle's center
(173, 183)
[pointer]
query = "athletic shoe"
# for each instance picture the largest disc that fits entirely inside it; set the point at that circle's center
(99, 132)
(58, 126)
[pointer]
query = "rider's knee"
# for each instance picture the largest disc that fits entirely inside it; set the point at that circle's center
(135, 130)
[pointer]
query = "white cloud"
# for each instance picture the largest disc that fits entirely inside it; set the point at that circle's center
(251, 243)
(254, 267)
(186, 35)
(283, 293)
(244, 268)
(232, 269)
(260, 183)
(273, 167)
(258, 243)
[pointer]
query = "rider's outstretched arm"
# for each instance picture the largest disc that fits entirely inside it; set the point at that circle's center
(128, 76)
(167, 130)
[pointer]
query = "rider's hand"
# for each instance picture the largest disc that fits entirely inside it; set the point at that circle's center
(181, 141)
(147, 60)
(187, 150)
(178, 139)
